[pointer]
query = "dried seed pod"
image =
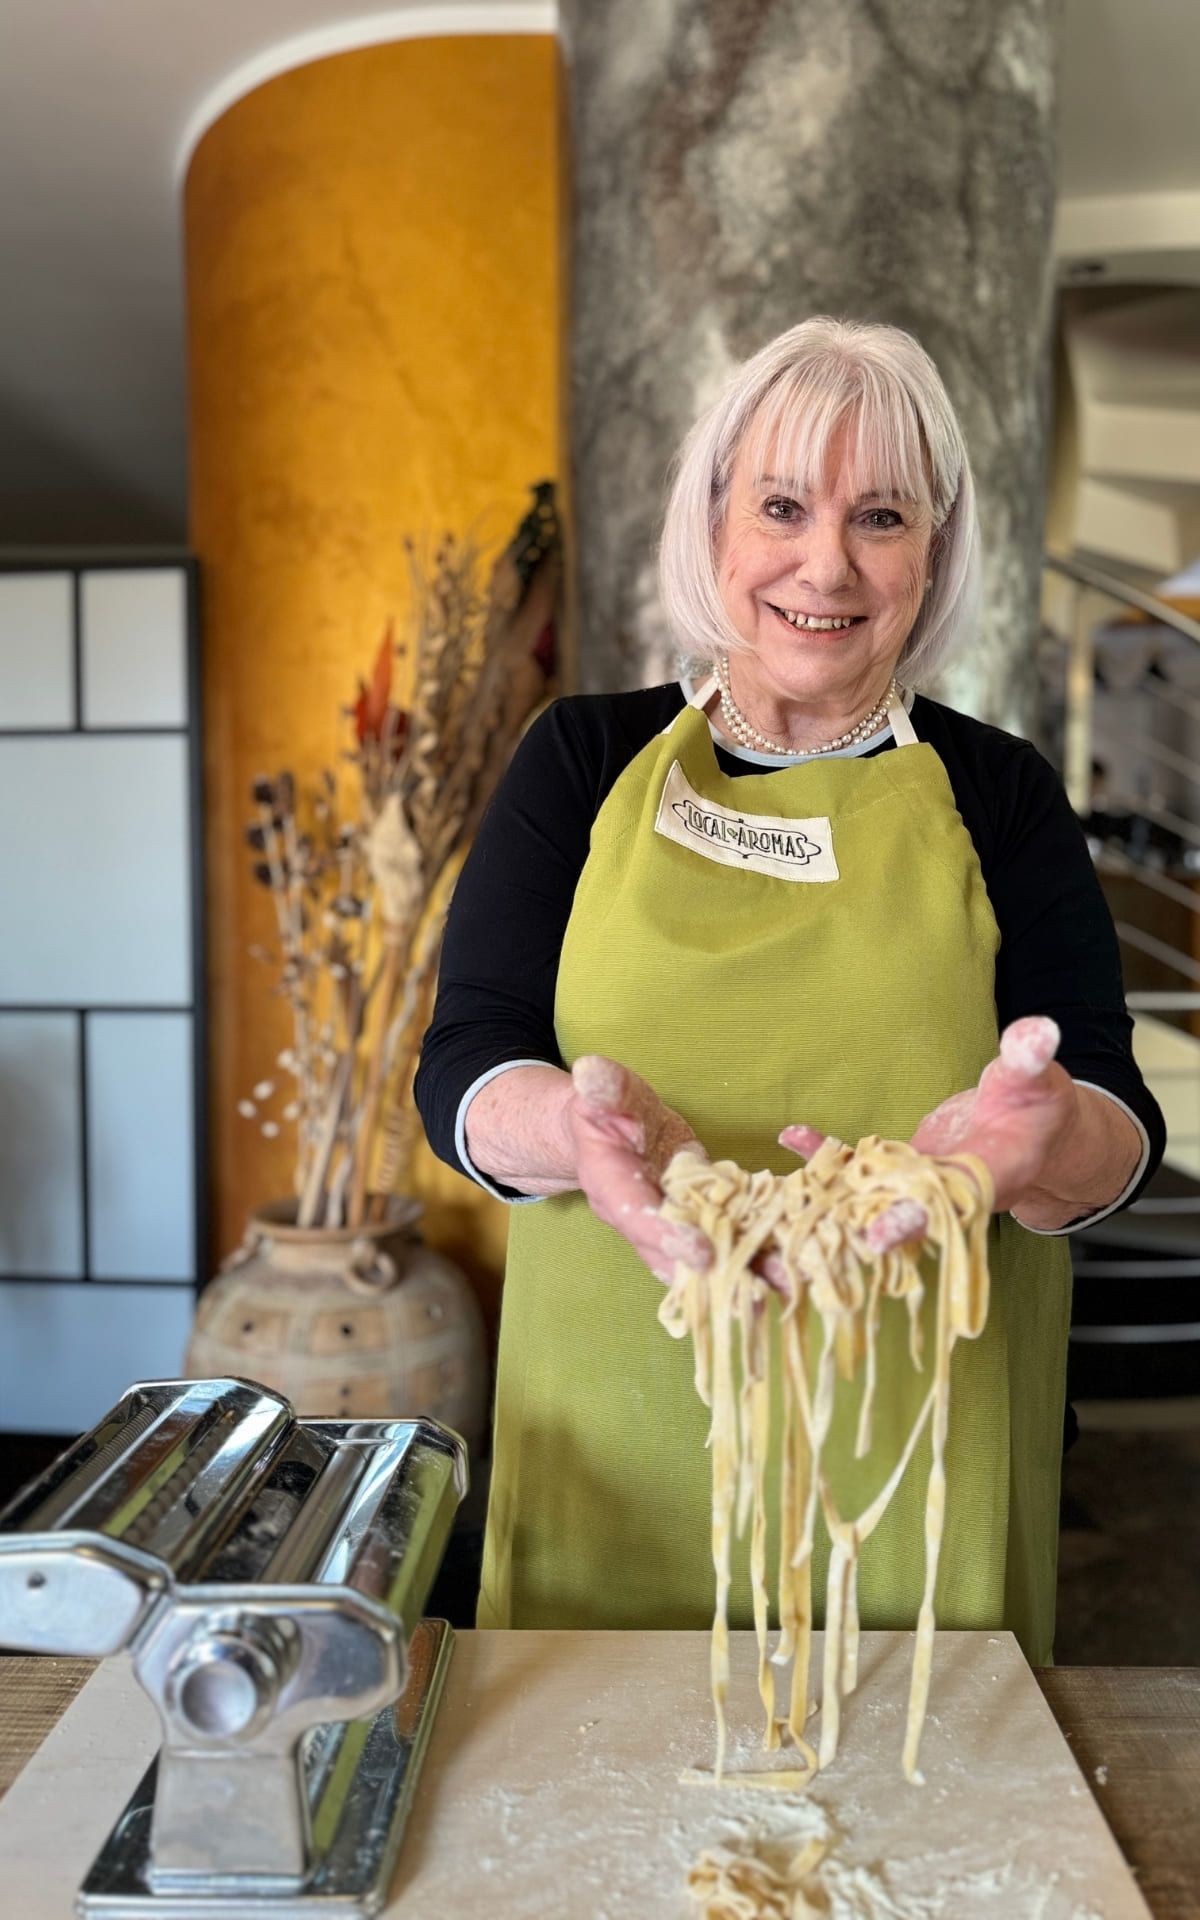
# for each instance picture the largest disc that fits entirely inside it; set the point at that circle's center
(436, 763)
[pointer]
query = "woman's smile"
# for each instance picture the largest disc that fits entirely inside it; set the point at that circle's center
(817, 622)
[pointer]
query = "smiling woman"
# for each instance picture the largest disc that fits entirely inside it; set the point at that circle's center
(790, 889)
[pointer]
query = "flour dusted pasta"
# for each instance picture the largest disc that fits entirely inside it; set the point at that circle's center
(729, 1884)
(738, 1883)
(817, 1221)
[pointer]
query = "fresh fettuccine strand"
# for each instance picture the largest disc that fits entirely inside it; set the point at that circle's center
(816, 1221)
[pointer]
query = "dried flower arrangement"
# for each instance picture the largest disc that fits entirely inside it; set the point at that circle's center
(360, 892)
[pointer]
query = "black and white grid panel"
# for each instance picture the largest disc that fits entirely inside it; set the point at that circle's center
(101, 1095)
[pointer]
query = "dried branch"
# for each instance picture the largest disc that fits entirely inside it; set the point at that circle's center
(360, 892)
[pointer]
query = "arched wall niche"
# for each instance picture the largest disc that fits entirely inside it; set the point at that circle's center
(373, 340)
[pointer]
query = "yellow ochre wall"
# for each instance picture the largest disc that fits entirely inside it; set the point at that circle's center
(373, 324)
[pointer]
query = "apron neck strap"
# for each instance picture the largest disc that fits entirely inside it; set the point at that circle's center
(903, 731)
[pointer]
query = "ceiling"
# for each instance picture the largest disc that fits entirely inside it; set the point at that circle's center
(101, 104)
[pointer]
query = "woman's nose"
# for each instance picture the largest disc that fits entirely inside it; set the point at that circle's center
(823, 561)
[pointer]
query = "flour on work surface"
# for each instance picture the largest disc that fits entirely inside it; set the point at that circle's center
(520, 1815)
(554, 1787)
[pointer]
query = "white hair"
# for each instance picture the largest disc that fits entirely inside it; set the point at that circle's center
(792, 397)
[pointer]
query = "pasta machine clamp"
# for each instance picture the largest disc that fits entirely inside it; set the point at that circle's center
(267, 1575)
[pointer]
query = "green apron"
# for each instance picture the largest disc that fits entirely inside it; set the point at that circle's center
(811, 944)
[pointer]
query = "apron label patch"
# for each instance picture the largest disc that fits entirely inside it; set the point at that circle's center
(784, 849)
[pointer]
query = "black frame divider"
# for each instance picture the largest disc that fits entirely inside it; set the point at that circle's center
(77, 563)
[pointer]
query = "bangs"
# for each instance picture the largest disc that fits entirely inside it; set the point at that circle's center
(885, 452)
(874, 387)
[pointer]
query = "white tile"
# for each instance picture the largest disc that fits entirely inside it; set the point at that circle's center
(94, 866)
(37, 664)
(141, 1186)
(133, 624)
(68, 1352)
(41, 1198)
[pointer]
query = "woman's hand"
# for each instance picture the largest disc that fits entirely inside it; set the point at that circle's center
(1054, 1150)
(623, 1135)
(1016, 1119)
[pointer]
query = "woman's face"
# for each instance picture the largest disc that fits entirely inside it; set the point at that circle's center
(785, 556)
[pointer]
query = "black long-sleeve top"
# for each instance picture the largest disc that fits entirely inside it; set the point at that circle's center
(495, 1002)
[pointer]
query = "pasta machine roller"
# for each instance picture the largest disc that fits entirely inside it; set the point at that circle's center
(267, 1575)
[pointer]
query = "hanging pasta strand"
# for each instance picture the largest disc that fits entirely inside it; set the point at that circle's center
(862, 1441)
(757, 1364)
(816, 1221)
(724, 1459)
(796, 1480)
(962, 1312)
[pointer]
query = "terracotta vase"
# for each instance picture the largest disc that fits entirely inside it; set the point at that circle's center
(348, 1323)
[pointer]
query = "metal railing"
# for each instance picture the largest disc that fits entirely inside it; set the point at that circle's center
(1092, 587)
(1088, 580)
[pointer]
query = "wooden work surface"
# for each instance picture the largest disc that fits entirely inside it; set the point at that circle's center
(34, 1694)
(1135, 1732)
(552, 1781)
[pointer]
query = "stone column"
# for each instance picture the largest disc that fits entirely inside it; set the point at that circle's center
(741, 164)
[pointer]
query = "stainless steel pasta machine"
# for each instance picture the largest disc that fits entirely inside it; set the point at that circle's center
(267, 1575)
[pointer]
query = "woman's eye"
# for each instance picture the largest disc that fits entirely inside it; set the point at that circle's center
(882, 519)
(781, 509)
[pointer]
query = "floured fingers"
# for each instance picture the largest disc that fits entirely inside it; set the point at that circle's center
(903, 1220)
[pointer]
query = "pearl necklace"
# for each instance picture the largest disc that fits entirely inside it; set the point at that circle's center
(748, 735)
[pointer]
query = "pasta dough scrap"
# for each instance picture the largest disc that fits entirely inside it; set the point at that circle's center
(816, 1219)
(740, 1884)
(729, 1885)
